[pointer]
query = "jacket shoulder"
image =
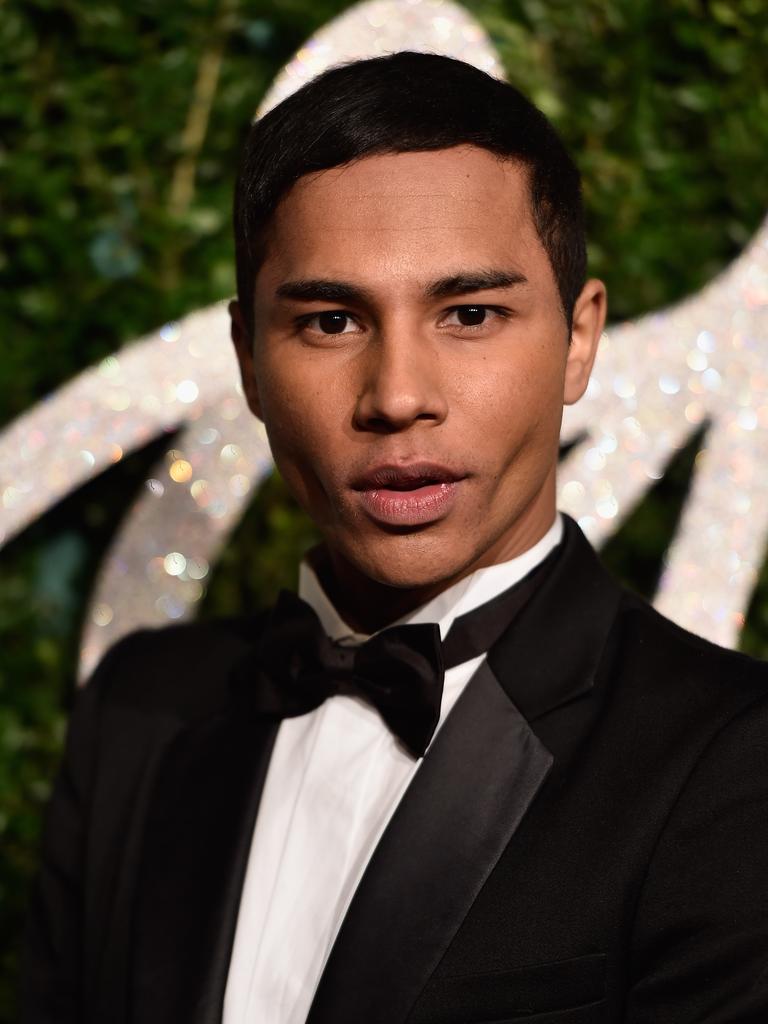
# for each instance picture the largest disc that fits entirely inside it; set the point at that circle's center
(180, 670)
(669, 659)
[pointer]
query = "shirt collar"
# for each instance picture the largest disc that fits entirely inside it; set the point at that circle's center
(470, 592)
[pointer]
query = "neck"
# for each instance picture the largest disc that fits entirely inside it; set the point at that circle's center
(367, 605)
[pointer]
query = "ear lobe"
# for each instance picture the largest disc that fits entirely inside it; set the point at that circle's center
(243, 343)
(589, 315)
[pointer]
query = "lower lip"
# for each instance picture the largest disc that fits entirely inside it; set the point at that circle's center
(410, 508)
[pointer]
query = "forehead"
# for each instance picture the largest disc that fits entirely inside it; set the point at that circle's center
(406, 214)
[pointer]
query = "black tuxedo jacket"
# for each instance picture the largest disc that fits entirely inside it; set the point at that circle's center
(586, 839)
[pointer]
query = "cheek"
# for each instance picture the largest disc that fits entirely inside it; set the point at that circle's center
(301, 413)
(279, 387)
(518, 397)
(294, 428)
(516, 415)
(297, 442)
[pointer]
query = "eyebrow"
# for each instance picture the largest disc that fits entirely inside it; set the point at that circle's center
(462, 283)
(474, 281)
(322, 291)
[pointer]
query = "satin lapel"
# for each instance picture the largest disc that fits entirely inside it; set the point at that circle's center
(551, 652)
(463, 806)
(197, 837)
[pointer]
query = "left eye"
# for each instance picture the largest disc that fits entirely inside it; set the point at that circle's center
(332, 322)
(469, 316)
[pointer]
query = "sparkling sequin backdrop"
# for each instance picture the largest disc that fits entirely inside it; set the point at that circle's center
(656, 380)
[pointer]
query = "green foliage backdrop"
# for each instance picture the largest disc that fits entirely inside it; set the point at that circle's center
(121, 125)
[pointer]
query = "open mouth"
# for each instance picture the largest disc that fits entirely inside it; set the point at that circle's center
(408, 495)
(415, 484)
(407, 477)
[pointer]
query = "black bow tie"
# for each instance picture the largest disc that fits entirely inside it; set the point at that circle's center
(399, 670)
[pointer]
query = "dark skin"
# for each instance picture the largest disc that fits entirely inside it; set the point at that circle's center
(407, 314)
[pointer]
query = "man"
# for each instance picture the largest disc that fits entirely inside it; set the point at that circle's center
(467, 777)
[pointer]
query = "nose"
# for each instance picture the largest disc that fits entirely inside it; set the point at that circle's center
(402, 383)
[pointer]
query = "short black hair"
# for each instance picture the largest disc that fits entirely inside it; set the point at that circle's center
(407, 102)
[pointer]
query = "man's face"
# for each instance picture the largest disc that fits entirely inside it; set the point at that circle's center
(410, 361)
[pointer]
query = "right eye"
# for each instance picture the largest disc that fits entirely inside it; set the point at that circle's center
(332, 321)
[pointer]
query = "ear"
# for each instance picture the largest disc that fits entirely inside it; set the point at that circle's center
(243, 343)
(588, 321)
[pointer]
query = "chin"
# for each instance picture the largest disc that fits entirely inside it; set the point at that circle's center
(408, 563)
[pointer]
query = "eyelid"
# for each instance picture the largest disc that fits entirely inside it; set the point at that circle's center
(501, 310)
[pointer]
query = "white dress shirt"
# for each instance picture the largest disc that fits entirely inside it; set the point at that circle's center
(334, 780)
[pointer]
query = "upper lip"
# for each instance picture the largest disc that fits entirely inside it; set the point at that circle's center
(404, 475)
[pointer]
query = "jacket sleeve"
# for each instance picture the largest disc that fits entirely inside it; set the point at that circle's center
(52, 959)
(700, 945)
